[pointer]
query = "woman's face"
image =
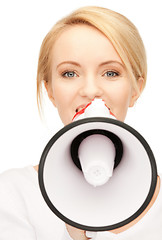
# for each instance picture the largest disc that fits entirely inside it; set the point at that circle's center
(85, 66)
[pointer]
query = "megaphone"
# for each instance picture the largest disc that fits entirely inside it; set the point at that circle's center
(97, 173)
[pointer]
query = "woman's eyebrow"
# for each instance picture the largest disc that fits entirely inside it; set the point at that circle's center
(111, 62)
(68, 62)
(101, 64)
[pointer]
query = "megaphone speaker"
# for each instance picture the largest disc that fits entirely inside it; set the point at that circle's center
(97, 173)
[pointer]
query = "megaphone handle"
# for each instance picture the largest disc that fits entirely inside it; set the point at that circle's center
(91, 235)
(99, 235)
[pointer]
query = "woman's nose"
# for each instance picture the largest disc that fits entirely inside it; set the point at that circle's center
(91, 89)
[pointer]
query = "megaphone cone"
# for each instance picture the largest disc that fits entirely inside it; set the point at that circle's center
(97, 173)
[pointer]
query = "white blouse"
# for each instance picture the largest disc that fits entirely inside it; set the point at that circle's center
(25, 215)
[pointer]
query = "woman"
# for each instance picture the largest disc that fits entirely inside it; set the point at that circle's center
(92, 53)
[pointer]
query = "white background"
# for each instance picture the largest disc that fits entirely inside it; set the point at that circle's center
(23, 25)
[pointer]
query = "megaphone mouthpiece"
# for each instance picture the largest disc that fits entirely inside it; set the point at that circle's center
(95, 108)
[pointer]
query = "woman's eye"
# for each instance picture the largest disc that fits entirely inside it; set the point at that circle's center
(69, 74)
(111, 74)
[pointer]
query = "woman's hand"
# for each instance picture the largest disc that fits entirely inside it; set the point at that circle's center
(75, 233)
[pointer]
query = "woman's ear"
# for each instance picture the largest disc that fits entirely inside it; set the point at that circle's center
(49, 92)
(136, 92)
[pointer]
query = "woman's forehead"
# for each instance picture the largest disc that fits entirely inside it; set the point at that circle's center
(83, 42)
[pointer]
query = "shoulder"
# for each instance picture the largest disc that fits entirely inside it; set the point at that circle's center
(15, 175)
(15, 181)
(16, 187)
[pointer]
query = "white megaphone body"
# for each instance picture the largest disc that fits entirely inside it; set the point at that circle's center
(97, 173)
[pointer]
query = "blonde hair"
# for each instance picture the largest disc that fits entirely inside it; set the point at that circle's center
(122, 33)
